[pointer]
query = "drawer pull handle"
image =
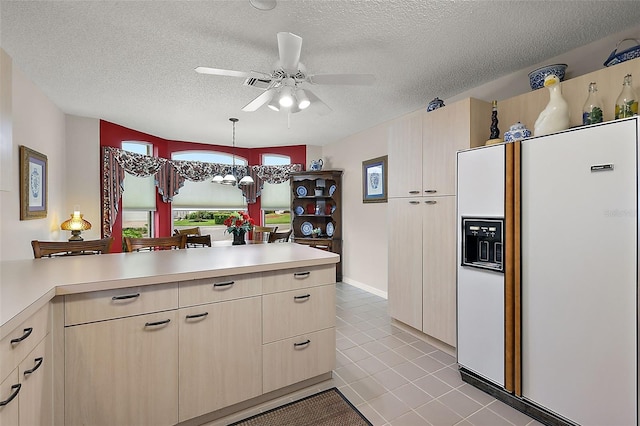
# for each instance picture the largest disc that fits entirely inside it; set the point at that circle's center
(155, 323)
(224, 284)
(414, 202)
(27, 333)
(430, 202)
(13, 395)
(301, 274)
(35, 367)
(305, 343)
(430, 191)
(126, 296)
(414, 192)
(302, 298)
(204, 314)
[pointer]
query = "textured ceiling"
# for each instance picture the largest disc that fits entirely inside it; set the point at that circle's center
(131, 62)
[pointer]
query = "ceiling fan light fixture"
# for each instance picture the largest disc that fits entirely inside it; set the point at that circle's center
(286, 97)
(274, 104)
(303, 100)
(263, 4)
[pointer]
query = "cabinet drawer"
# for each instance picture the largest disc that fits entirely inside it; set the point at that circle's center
(124, 302)
(292, 279)
(25, 337)
(290, 313)
(9, 412)
(209, 290)
(302, 357)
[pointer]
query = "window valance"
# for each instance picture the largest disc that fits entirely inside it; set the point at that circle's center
(170, 175)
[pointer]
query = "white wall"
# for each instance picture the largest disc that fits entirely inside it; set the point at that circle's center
(364, 233)
(82, 178)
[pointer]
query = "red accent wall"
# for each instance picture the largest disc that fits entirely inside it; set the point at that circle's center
(113, 134)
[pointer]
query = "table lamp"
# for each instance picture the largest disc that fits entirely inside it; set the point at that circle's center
(76, 224)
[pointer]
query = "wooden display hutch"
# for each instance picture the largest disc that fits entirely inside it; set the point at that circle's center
(316, 202)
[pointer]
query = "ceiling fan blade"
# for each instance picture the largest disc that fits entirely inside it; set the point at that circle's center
(317, 104)
(218, 71)
(264, 98)
(289, 46)
(345, 79)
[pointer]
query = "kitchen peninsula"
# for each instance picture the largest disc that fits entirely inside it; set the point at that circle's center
(167, 337)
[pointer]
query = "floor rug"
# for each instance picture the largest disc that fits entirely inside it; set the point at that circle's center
(326, 408)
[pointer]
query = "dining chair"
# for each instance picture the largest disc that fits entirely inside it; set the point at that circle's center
(194, 237)
(70, 248)
(263, 233)
(158, 243)
(187, 231)
(321, 244)
(280, 237)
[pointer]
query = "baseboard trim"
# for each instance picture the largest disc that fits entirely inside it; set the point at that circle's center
(523, 405)
(365, 287)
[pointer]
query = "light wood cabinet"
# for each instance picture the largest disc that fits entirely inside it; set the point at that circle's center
(292, 360)
(439, 269)
(422, 216)
(9, 390)
(123, 371)
(405, 156)
(220, 355)
(27, 388)
(405, 260)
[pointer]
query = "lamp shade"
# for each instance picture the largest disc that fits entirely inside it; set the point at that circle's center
(247, 180)
(229, 180)
(76, 224)
(286, 96)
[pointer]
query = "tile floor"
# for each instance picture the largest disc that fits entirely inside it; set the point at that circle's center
(394, 378)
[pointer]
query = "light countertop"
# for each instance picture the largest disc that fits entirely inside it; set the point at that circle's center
(26, 285)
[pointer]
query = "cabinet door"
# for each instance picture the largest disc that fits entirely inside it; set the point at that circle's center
(405, 156)
(123, 371)
(439, 263)
(405, 260)
(36, 394)
(9, 412)
(220, 355)
(445, 131)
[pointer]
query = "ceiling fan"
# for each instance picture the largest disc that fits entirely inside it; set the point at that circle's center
(283, 85)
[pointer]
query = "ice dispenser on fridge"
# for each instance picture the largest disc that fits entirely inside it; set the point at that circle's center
(482, 243)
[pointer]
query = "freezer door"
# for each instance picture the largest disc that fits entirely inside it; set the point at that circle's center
(579, 273)
(480, 312)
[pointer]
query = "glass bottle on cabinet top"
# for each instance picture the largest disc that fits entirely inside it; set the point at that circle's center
(627, 102)
(316, 210)
(592, 110)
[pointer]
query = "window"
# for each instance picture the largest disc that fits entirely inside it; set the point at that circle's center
(276, 198)
(198, 202)
(139, 197)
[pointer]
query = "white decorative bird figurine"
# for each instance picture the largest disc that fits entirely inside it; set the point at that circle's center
(555, 116)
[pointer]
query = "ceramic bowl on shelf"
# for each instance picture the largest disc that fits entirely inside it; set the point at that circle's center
(536, 77)
(517, 132)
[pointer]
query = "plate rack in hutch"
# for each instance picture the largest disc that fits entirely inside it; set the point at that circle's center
(316, 202)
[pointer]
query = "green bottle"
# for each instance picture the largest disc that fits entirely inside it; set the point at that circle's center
(592, 110)
(627, 102)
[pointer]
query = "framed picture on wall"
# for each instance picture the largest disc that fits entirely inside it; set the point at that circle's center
(374, 180)
(33, 184)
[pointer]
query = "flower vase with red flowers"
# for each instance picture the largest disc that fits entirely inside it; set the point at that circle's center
(238, 224)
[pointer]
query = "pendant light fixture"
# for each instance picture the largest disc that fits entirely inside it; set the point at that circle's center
(230, 178)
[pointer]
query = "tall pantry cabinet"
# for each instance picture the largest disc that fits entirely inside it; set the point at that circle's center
(422, 150)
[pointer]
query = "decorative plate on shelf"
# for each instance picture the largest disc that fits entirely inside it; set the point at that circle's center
(333, 209)
(332, 189)
(330, 228)
(301, 191)
(306, 228)
(299, 210)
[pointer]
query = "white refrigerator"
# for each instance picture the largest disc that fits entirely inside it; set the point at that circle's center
(571, 348)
